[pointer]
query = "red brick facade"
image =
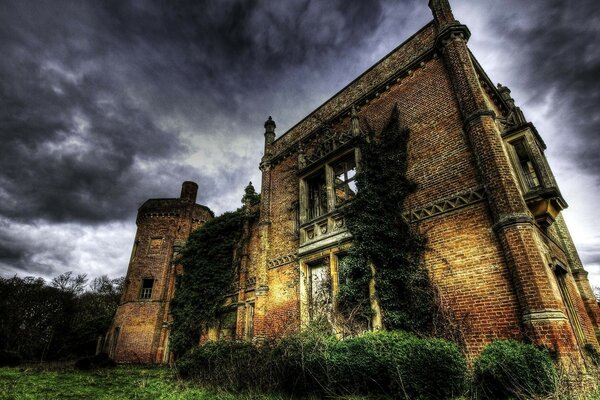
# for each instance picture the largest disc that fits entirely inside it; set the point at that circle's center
(498, 248)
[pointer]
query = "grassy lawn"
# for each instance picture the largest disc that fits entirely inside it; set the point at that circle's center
(117, 383)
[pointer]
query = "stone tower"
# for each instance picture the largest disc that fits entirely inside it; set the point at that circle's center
(140, 329)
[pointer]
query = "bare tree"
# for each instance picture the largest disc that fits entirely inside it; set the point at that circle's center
(69, 283)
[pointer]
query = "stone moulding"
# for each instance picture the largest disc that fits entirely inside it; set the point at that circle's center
(445, 205)
(282, 260)
(545, 315)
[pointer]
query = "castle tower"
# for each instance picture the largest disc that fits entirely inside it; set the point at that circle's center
(140, 329)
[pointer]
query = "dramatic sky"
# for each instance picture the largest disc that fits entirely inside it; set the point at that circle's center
(104, 104)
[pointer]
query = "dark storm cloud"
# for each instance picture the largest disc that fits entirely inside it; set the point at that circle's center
(556, 52)
(93, 95)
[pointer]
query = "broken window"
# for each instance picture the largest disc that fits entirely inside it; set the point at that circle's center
(344, 179)
(227, 324)
(526, 165)
(317, 194)
(146, 292)
(331, 185)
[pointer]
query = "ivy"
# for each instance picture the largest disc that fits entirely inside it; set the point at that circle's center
(384, 239)
(208, 270)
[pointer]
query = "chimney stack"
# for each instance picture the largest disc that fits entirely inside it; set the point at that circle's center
(189, 191)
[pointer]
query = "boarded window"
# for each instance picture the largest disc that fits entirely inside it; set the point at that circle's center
(155, 245)
(320, 289)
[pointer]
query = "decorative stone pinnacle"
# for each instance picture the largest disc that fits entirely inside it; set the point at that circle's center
(270, 122)
(355, 126)
(269, 135)
(442, 13)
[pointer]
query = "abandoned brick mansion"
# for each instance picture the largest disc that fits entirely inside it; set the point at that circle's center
(498, 248)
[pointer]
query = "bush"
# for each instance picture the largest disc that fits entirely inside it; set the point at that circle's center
(98, 361)
(392, 363)
(9, 358)
(399, 364)
(507, 368)
(593, 354)
(231, 365)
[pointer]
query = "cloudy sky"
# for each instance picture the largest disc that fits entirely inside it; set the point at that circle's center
(104, 104)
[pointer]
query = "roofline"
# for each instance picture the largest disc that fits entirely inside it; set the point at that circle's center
(355, 80)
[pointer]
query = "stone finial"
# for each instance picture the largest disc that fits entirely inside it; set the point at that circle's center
(442, 13)
(355, 126)
(301, 156)
(189, 191)
(270, 130)
(515, 116)
(269, 134)
(505, 93)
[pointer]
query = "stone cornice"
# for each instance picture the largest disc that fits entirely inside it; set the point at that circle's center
(282, 260)
(445, 205)
(390, 70)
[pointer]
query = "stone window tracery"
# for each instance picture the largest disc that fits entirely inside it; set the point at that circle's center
(344, 180)
(329, 186)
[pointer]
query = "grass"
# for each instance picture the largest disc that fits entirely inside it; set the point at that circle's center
(123, 382)
(131, 383)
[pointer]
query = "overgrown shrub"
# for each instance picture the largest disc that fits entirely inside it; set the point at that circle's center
(208, 261)
(507, 368)
(98, 361)
(397, 364)
(593, 354)
(231, 365)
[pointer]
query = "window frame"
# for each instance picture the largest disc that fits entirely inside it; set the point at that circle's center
(327, 168)
(524, 176)
(345, 183)
(145, 292)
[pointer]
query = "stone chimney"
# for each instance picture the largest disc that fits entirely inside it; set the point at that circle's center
(189, 191)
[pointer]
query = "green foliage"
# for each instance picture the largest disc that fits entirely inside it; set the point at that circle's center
(507, 368)
(208, 261)
(391, 363)
(225, 364)
(593, 354)
(120, 383)
(382, 236)
(56, 321)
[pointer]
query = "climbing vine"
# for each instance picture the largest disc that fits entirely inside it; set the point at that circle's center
(207, 260)
(382, 238)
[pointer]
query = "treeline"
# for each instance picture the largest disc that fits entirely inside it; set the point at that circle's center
(56, 321)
